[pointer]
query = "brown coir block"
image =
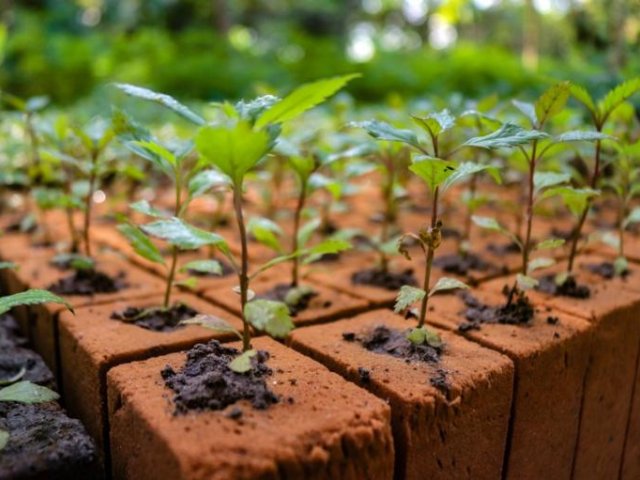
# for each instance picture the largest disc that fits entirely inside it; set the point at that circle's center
(327, 305)
(630, 467)
(91, 343)
(613, 310)
(550, 359)
(461, 434)
(330, 429)
(36, 272)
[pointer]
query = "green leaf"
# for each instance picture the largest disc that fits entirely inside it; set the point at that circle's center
(212, 322)
(633, 217)
(266, 232)
(467, 169)
(582, 136)
(488, 223)
(302, 99)
(307, 230)
(182, 235)
(384, 131)
(407, 296)
(155, 150)
(525, 282)
(27, 392)
(269, 316)
(234, 150)
(581, 94)
(424, 335)
(35, 104)
(242, 363)
(617, 96)
(543, 180)
(435, 123)
(575, 199)
(329, 246)
(433, 171)
(210, 267)
(446, 283)
(145, 208)
(74, 261)
(8, 266)
(142, 149)
(527, 109)
(620, 266)
(552, 102)
(538, 263)
(4, 439)
(30, 297)
(252, 109)
(164, 100)
(296, 295)
(508, 135)
(142, 245)
(550, 244)
(207, 180)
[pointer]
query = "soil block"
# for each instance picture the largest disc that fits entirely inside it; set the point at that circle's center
(450, 417)
(92, 342)
(321, 427)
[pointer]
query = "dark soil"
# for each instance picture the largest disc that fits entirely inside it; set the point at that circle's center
(605, 269)
(88, 282)
(564, 234)
(206, 382)
(279, 293)
(156, 319)
(461, 264)
(387, 280)
(450, 232)
(14, 360)
(328, 258)
(570, 288)
(10, 332)
(519, 312)
(44, 443)
(227, 270)
(501, 249)
(384, 340)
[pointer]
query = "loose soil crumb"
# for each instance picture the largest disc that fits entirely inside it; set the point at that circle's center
(43, 443)
(461, 264)
(520, 311)
(206, 382)
(15, 361)
(387, 280)
(605, 269)
(364, 374)
(279, 293)
(88, 282)
(156, 319)
(440, 381)
(570, 288)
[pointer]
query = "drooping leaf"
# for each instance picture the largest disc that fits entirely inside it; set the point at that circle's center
(465, 170)
(242, 363)
(543, 180)
(162, 99)
(212, 322)
(28, 393)
(155, 150)
(265, 231)
(446, 283)
(508, 135)
(383, 131)
(35, 104)
(206, 180)
(302, 99)
(303, 166)
(126, 128)
(269, 316)
(182, 235)
(436, 123)
(142, 245)
(527, 109)
(234, 150)
(74, 261)
(433, 171)
(487, 223)
(144, 207)
(209, 267)
(617, 96)
(552, 101)
(30, 297)
(423, 335)
(407, 296)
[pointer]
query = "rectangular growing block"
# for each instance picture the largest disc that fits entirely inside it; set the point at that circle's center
(550, 363)
(461, 434)
(91, 343)
(330, 429)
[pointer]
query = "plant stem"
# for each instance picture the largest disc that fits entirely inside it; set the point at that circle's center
(429, 260)
(87, 203)
(243, 275)
(578, 229)
(466, 233)
(174, 249)
(526, 246)
(295, 262)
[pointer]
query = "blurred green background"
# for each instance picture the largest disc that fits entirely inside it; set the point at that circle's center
(212, 49)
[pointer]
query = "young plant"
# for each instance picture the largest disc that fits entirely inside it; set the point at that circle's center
(600, 113)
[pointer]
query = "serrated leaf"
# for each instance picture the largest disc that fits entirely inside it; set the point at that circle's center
(242, 363)
(465, 170)
(580, 93)
(435, 123)
(4, 439)
(210, 267)
(617, 96)
(538, 263)
(423, 335)
(552, 101)
(266, 232)
(162, 99)
(206, 180)
(543, 180)
(235, 150)
(384, 131)
(525, 282)
(407, 296)
(145, 208)
(269, 316)
(527, 109)
(182, 235)
(582, 136)
(30, 297)
(302, 99)
(508, 135)
(252, 109)
(433, 171)
(28, 393)
(141, 244)
(212, 322)
(550, 244)
(447, 283)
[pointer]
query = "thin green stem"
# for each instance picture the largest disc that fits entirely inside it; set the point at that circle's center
(88, 203)
(295, 262)
(243, 275)
(429, 260)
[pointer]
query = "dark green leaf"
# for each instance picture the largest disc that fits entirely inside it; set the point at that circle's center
(30, 297)
(142, 245)
(552, 101)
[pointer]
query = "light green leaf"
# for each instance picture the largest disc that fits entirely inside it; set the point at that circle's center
(538, 263)
(620, 266)
(266, 232)
(525, 282)
(142, 245)
(242, 363)
(307, 230)
(210, 267)
(234, 150)
(302, 99)
(156, 150)
(252, 109)
(74, 261)
(633, 217)
(424, 335)
(329, 246)
(467, 169)
(542, 180)
(383, 131)
(35, 104)
(145, 208)
(527, 109)
(207, 180)
(212, 322)
(8, 266)
(4, 439)
(552, 101)
(407, 296)
(27, 392)
(575, 199)
(182, 235)
(446, 283)
(581, 94)
(269, 316)
(433, 171)
(508, 135)
(435, 123)
(582, 136)
(164, 100)
(550, 244)
(30, 297)
(488, 223)
(617, 96)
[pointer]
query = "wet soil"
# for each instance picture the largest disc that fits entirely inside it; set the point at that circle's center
(88, 282)
(387, 280)
(570, 288)
(21, 364)
(10, 332)
(206, 382)
(156, 319)
(519, 312)
(43, 443)
(462, 264)
(605, 270)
